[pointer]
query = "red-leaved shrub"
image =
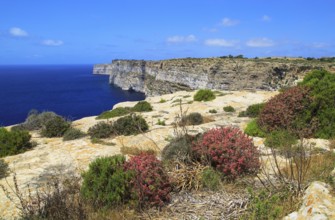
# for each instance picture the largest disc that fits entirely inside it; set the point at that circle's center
(228, 150)
(150, 186)
(285, 110)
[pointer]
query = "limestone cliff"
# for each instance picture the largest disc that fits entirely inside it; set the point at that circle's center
(168, 76)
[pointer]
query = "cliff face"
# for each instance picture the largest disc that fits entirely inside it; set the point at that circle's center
(168, 76)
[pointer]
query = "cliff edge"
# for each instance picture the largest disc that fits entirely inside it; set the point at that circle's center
(168, 76)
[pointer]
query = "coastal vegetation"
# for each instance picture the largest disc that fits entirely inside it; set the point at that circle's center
(142, 106)
(229, 108)
(204, 95)
(127, 125)
(193, 118)
(14, 142)
(252, 111)
(72, 134)
(55, 127)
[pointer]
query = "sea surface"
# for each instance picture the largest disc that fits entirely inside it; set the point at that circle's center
(69, 90)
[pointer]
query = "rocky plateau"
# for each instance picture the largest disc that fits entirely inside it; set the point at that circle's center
(52, 156)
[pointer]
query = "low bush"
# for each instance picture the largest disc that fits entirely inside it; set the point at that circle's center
(204, 95)
(101, 130)
(179, 149)
(119, 111)
(36, 121)
(265, 205)
(142, 106)
(286, 111)
(229, 108)
(229, 151)
(162, 101)
(254, 130)
(4, 170)
(194, 118)
(106, 183)
(55, 127)
(281, 139)
(161, 122)
(212, 111)
(72, 134)
(14, 142)
(150, 186)
(252, 111)
(130, 125)
(211, 179)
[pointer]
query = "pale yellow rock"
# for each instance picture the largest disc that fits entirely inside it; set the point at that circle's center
(318, 204)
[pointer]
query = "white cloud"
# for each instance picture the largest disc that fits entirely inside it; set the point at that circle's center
(260, 42)
(182, 39)
(227, 22)
(266, 18)
(220, 42)
(17, 32)
(320, 45)
(54, 43)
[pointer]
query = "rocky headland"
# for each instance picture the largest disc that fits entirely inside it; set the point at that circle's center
(168, 76)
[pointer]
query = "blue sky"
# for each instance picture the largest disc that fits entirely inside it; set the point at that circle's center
(87, 31)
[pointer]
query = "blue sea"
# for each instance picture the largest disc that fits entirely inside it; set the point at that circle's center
(69, 90)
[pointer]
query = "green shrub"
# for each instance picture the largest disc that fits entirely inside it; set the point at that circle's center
(194, 118)
(14, 142)
(264, 206)
(142, 106)
(252, 111)
(179, 148)
(4, 170)
(212, 111)
(204, 95)
(119, 111)
(229, 108)
(72, 134)
(162, 101)
(280, 139)
(211, 179)
(322, 86)
(106, 183)
(101, 130)
(130, 125)
(36, 121)
(161, 122)
(55, 127)
(254, 130)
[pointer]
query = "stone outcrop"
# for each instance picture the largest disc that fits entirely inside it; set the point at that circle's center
(168, 76)
(317, 204)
